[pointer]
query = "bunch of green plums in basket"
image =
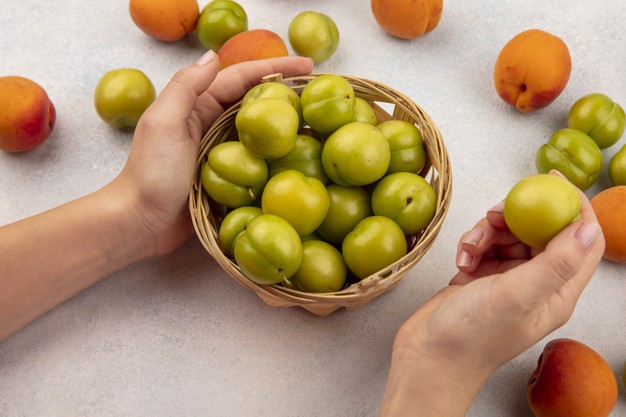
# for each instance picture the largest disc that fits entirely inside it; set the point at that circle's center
(317, 192)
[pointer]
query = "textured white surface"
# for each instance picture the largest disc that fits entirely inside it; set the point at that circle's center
(175, 336)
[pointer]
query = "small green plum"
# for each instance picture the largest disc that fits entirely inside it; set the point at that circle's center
(269, 251)
(599, 117)
(540, 206)
(328, 103)
(356, 154)
(375, 243)
(314, 35)
(322, 269)
(232, 176)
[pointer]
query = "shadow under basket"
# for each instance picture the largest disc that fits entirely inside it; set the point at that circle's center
(387, 104)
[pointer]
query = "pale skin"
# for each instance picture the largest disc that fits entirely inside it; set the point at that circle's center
(504, 299)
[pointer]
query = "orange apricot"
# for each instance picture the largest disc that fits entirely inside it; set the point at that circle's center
(165, 20)
(27, 115)
(532, 70)
(407, 19)
(609, 206)
(571, 380)
(251, 45)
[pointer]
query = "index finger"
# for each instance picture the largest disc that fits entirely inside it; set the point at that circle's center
(234, 81)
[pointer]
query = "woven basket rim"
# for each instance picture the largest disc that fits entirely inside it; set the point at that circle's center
(437, 171)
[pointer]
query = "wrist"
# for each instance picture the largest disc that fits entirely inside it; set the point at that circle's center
(136, 241)
(429, 380)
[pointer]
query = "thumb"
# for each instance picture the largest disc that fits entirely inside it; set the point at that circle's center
(178, 99)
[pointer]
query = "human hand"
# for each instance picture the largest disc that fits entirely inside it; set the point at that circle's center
(162, 159)
(505, 298)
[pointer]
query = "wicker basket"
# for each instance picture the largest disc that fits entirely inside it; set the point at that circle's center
(388, 104)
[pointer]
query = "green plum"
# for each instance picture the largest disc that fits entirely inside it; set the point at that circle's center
(406, 144)
(375, 243)
(540, 206)
(322, 268)
(122, 95)
(617, 167)
(268, 127)
(328, 103)
(363, 112)
(233, 224)
(574, 154)
(304, 157)
(277, 90)
(348, 206)
(407, 199)
(219, 21)
(356, 154)
(269, 251)
(232, 176)
(302, 201)
(314, 35)
(599, 117)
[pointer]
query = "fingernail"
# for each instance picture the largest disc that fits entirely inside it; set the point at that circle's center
(498, 207)
(557, 173)
(588, 233)
(474, 237)
(464, 260)
(206, 58)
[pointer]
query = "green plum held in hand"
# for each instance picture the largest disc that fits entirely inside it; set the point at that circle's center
(573, 154)
(540, 206)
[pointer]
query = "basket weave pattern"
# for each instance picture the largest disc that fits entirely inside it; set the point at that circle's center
(387, 104)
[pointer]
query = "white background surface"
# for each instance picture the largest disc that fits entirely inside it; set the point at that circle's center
(176, 336)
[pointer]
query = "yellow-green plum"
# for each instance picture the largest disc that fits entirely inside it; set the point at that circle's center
(232, 176)
(302, 201)
(348, 206)
(328, 103)
(305, 157)
(407, 199)
(268, 127)
(406, 145)
(269, 251)
(321, 270)
(233, 224)
(314, 35)
(356, 154)
(375, 243)
(539, 206)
